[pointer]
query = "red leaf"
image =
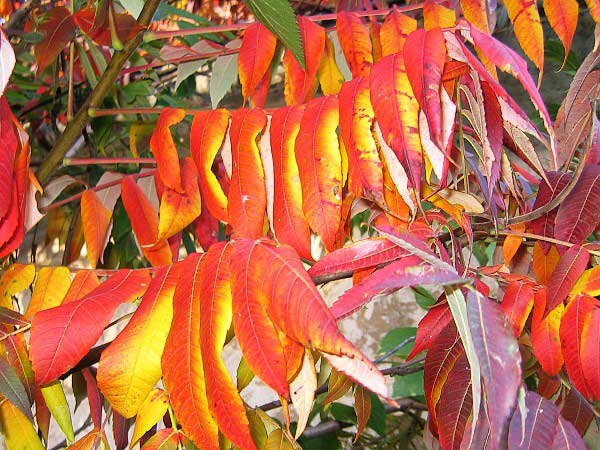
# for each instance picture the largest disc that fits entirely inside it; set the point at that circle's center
(256, 53)
(517, 303)
(320, 167)
(224, 400)
(206, 138)
(290, 224)
(545, 335)
(577, 314)
(94, 397)
(300, 84)
(409, 271)
(182, 367)
(96, 220)
(430, 326)
(164, 150)
(590, 352)
(365, 178)
(59, 29)
(578, 411)
(499, 359)
(247, 201)
(9, 144)
(577, 216)
(61, 336)
(356, 43)
(358, 255)
(569, 268)
(424, 57)
(544, 226)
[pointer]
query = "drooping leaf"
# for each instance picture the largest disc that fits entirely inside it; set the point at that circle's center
(569, 268)
(517, 303)
(476, 13)
(394, 31)
(216, 311)
(545, 334)
(247, 201)
(397, 112)
(254, 60)
(590, 352)
(183, 372)
(577, 410)
(365, 177)
(544, 226)
(61, 336)
(575, 319)
(178, 210)
(153, 408)
(320, 166)
(497, 351)
(96, 220)
(165, 439)
(330, 77)
(278, 16)
(356, 43)
(13, 390)
(289, 224)
(528, 29)
(59, 29)
(8, 61)
(56, 401)
(224, 74)
(302, 391)
(18, 432)
(362, 408)
(337, 386)
(130, 366)
(289, 288)
(562, 16)
(94, 397)
(206, 137)
(430, 326)
(164, 150)
(300, 83)
(576, 218)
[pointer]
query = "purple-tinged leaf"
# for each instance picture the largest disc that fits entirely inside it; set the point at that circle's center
(499, 358)
(540, 422)
(566, 437)
(577, 410)
(569, 268)
(12, 388)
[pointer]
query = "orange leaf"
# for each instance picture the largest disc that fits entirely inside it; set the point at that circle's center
(394, 31)
(256, 53)
(85, 281)
(216, 311)
(50, 288)
(374, 32)
(130, 366)
(61, 336)
(183, 373)
(290, 224)
(330, 77)
(574, 321)
(356, 122)
(178, 210)
(528, 29)
(96, 221)
(144, 221)
(397, 112)
(512, 243)
(90, 441)
(247, 200)
(206, 138)
(590, 352)
(437, 16)
(256, 334)
(356, 43)
(544, 263)
(165, 439)
(562, 16)
(362, 407)
(164, 150)
(300, 84)
(475, 11)
(545, 335)
(297, 309)
(320, 165)
(594, 9)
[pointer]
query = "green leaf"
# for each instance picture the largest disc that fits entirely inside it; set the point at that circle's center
(378, 417)
(278, 16)
(57, 404)
(343, 413)
(224, 74)
(423, 298)
(395, 337)
(410, 385)
(187, 69)
(12, 388)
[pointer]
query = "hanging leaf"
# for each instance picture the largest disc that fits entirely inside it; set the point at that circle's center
(590, 352)
(224, 73)
(330, 77)
(517, 303)
(394, 31)
(528, 29)
(151, 411)
(96, 220)
(356, 43)
(569, 268)
(302, 391)
(254, 61)
(59, 29)
(362, 408)
(61, 336)
(562, 16)
(50, 288)
(8, 61)
(18, 432)
(164, 150)
(55, 399)
(476, 13)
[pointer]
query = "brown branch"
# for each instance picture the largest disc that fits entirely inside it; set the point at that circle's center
(106, 82)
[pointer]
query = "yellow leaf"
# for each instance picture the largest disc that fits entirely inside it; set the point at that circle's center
(18, 432)
(302, 391)
(588, 283)
(17, 278)
(330, 77)
(151, 411)
(50, 288)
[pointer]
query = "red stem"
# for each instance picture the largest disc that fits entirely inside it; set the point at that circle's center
(241, 26)
(100, 187)
(100, 161)
(101, 112)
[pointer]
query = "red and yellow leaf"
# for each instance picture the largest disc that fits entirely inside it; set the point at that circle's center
(362, 408)
(164, 150)
(437, 16)
(130, 366)
(588, 283)
(85, 281)
(183, 372)
(165, 439)
(544, 263)
(569, 268)
(216, 311)
(545, 335)
(590, 352)
(247, 202)
(356, 122)
(58, 28)
(16, 278)
(178, 210)
(206, 138)
(153, 408)
(528, 29)
(320, 166)
(562, 16)
(96, 221)
(50, 288)
(394, 31)
(61, 336)
(594, 9)
(300, 84)
(290, 224)
(254, 60)
(475, 11)
(90, 441)
(517, 303)
(356, 43)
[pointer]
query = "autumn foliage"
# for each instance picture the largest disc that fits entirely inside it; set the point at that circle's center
(398, 127)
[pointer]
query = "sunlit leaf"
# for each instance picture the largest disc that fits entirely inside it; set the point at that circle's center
(56, 401)
(13, 390)
(164, 149)
(302, 391)
(569, 268)
(394, 31)
(356, 43)
(151, 411)
(254, 60)
(545, 334)
(528, 29)
(17, 430)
